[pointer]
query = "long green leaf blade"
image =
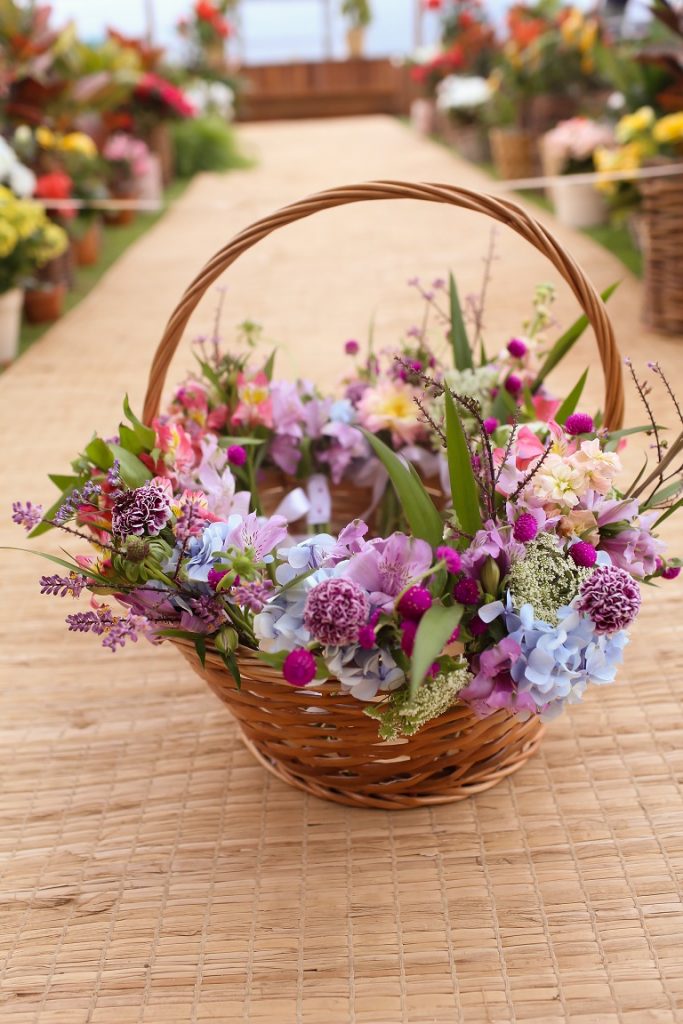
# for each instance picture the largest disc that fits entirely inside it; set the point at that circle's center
(462, 353)
(572, 400)
(422, 514)
(464, 491)
(567, 341)
(435, 630)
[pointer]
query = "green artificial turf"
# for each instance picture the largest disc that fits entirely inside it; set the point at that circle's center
(114, 243)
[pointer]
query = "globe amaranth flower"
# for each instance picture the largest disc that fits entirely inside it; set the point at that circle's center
(335, 611)
(611, 597)
(583, 554)
(517, 348)
(579, 423)
(363, 673)
(525, 528)
(145, 510)
(415, 602)
(451, 558)
(299, 667)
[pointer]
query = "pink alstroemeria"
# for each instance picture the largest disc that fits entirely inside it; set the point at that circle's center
(528, 448)
(545, 408)
(255, 405)
(385, 567)
(175, 443)
(261, 536)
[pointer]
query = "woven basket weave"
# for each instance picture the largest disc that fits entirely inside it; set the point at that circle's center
(318, 739)
(661, 232)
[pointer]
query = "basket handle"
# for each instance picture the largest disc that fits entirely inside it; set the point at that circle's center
(499, 209)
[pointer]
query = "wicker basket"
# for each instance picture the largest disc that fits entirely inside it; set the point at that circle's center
(318, 739)
(661, 230)
(515, 153)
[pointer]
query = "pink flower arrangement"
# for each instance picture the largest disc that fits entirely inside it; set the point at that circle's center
(571, 144)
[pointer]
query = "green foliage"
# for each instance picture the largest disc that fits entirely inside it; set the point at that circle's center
(463, 484)
(435, 630)
(462, 353)
(566, 342)
(422, 514)
(205, 143)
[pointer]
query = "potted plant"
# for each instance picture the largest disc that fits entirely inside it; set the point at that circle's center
(461, 100)
(358, 15)
(128, 159)
(29, 241)
(206, 32)
(568, 150)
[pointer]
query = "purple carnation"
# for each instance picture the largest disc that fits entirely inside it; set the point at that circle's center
(611, 598)
(467, 591)
(526, 528)
(415, 602)
(579, 423)
(517, 348)
(299, 667)
(335, 610)
(451, 557)
(583, 554)
(144, 510)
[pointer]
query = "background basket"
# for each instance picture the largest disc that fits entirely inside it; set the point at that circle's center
(318, 738)
(661, 225)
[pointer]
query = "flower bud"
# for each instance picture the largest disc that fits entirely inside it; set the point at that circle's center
(226, 640)
(490, 576)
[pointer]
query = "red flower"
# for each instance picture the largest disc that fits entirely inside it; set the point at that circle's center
(56, 185)
(432, 5)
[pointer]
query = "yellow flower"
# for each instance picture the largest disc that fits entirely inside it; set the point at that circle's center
(78, 142)
(589, 35)
(6, 195)
(45, 138)
(669, 128)
(27, 218)
(631, 125)
(572, 25)
(53, 243)
(625, 158)
(8, 238)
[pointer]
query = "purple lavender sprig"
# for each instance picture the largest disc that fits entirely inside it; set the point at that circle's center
(87, 495)
(28, 515)
(60, 586)
(116, 630)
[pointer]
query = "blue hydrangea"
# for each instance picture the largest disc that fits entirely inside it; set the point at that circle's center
(363, 673)
(557, 662)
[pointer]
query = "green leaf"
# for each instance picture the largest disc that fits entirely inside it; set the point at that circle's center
(462, 353)
(270, 365)
(464, 490)
(130, 440)
(666, 492)
(275, 660)
(665, 515)
(504, 406)
(572, 400)
(422, 514)
(64, 481)
(212, 376)
(71, 566)
(200, 648)
(146, 435)
(99, 453)
(566, 342)
(226, 442)
(230, 662)
(435, 630)
(133, 472)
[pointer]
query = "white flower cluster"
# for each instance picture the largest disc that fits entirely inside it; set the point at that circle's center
(401, 716)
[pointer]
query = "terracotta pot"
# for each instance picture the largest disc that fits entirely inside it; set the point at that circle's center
(514, 151)
(120, 218)
(355, 42)
(43, 305)
(10, 324)
(88, 247)
(578, 205)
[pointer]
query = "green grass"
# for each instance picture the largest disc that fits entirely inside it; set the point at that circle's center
(614, 237)
(114, 243)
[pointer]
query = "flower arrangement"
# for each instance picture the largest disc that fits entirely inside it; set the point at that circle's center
(518, 596)
(28, 239)
(463, 98)
(316, 443)
(158, 99)
(13, 173)
(571, 144)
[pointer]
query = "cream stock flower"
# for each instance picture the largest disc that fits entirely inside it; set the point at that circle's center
(390, 406)
(599, 468)
(559, 481)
